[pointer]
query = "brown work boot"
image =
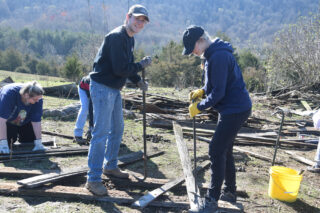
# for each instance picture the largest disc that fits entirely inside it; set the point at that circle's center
(96, 188)
(116, 173)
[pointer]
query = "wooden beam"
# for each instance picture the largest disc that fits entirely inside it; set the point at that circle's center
(46, 153)
(57, 134)
(239, 142)
(192, 189)
(253, 154)
(146, 199)
(300, 159)
(53, 177)
(22, 145)
(22, 173)
(258, 137)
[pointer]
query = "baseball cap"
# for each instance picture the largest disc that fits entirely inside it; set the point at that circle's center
(138, 10)
(190, 36)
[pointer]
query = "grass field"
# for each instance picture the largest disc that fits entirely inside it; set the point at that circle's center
(45, 81)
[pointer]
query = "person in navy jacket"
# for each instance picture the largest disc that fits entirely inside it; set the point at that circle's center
(20, 115)
(224, 91)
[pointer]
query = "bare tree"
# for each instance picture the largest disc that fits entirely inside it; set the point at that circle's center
(295, 54)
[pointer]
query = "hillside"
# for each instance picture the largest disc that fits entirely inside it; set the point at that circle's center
(246, 22)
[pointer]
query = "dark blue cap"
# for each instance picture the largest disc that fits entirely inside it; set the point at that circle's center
(190, 36)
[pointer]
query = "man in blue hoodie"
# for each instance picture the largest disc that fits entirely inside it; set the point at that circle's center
(113, 64)
(224, 91)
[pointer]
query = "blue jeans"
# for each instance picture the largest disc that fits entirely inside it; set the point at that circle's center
(83, 112)
(107, 130)
(220, 153)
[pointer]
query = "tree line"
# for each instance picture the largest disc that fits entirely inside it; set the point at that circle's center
(291, 60)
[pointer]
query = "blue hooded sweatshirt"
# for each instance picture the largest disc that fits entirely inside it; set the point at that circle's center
(224, 86)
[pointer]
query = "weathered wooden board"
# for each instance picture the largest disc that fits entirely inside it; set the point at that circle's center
(146, 199)
(298, 158)
(22, 173)
(46, 153)
(53, 177)
(192, 189)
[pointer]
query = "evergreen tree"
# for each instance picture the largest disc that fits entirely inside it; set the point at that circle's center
(72, 68)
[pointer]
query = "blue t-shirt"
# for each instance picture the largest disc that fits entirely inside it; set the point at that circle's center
(14, 110)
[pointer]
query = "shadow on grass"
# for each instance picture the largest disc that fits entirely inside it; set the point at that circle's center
(302, 207)
(152, 169)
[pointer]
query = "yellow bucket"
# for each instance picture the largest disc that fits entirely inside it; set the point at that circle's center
(284, 183)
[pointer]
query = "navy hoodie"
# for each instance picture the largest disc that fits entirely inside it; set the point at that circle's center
(224, 86)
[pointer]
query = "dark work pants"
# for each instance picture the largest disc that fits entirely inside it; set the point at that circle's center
(220, 153)
(24, 134)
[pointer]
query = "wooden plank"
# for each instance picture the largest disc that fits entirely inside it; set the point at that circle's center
(53, 177)
(56, 134)
(135, 179)
(146, 199)
(47, 153)
(306, 105)
(68, 192)
(298, 158)
(253, 154)
(192, 189)
(22, 173)
(22, 145)
(240, 142)
(258, 137)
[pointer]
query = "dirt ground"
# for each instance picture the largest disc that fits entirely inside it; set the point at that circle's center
(252, 173)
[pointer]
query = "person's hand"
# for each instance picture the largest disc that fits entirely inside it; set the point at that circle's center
(145, 62)
(143, 85)
(196, 94)
(4, 148)
(193, 109)
(38, 146)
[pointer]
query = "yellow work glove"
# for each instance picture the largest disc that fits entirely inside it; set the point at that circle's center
(196, 94)
(193, 109)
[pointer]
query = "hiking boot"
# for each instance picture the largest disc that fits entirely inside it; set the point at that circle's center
(79, 140)
(229, 197)
(315, 168)
(96, 188)
(116, 173)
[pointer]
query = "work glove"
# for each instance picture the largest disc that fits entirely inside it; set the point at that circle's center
(316, 120)
(145, 62)
(38, 146)
(143, 85)
(4, 148)
(196, 94)
(193, 109)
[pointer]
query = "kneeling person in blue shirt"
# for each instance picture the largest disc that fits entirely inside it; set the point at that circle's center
(20, 115)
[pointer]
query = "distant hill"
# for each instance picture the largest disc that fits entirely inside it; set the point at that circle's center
(246, 22)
